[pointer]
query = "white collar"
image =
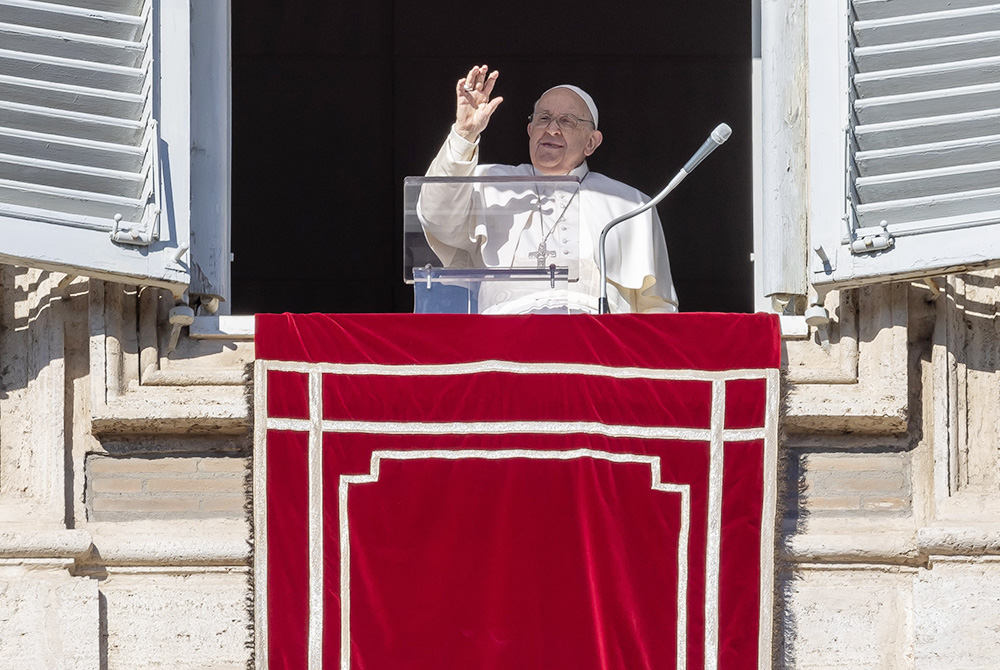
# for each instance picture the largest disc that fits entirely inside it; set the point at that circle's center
(580, 171)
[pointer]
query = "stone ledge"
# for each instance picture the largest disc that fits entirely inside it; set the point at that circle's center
(916, 547)
(212, 543)
(216, 543)
(175, 410)
(44, 543)
(972, 540)
(899, 548)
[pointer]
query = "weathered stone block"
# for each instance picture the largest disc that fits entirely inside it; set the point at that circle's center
(959, 623)
(177, 621)
(48, 618)
(840, 619)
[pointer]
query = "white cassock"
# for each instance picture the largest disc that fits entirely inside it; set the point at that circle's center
(638, 267)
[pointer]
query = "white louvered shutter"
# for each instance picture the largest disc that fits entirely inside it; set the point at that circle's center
(921, 194)
(81, 176)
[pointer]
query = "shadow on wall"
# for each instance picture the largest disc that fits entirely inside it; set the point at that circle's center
(33, 311)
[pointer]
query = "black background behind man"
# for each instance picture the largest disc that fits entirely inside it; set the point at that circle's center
(334, 104)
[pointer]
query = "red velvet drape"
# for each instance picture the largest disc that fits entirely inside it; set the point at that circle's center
(509, 488)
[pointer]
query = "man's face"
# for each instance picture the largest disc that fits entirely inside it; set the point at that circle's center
(554, 150)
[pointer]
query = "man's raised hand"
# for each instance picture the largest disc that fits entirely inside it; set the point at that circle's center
(474, 107)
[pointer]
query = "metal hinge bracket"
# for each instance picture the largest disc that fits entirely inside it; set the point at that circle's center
(869, 240)
(148, 231)
(133, 234)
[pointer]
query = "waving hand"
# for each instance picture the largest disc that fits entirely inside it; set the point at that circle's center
(473, 104)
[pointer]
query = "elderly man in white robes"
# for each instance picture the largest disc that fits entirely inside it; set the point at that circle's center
(562, 133)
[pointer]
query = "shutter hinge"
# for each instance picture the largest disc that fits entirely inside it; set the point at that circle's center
(133, 234)
(869, 240)
(145, 233)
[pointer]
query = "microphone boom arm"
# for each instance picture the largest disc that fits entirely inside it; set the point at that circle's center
(715, 140)
(602, 306)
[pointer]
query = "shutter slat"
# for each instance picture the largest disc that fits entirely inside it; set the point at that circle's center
(930, 208)
(68, 18)
(87, 153)
(131, 7)
(884, 9)
(929, 77)
(928, 52)
(962, 100)
(70, 124)
(940, 181)
(72, 46)
(929, 156)
(69, 71)
(71, 98)
(71, 176)
(914, 27)
(70, 203)
(920, 131)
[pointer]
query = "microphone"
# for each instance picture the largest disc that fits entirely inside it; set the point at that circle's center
(714, 141)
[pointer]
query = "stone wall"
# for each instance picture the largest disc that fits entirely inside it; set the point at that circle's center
(123, 541)
(891, 530)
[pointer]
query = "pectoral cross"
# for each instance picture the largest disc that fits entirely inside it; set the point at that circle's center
(541, 255)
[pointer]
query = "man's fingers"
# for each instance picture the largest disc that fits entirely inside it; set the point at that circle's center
(490, 82)
(471, 77)
(478, 80)
(462, 91)
(492, 106)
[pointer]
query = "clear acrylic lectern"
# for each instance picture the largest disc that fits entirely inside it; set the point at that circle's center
(491, 245)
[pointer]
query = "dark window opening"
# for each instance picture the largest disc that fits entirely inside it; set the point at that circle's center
(335, 103)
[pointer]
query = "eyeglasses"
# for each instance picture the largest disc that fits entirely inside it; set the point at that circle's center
(566, 122)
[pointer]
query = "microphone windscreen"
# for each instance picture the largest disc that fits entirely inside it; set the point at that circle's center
(721, 133)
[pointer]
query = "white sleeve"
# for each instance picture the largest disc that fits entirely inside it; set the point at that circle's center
(637, 260)
(446, 211)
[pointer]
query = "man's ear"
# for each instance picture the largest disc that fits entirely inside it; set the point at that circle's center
(595, 140)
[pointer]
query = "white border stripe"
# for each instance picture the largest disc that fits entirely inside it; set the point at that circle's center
(260, 608)
(345, 575)
(767, 521)
(315, 648)
(512, 427)
(682, 567)
(505, 454)
(713, 541)
(478, 367)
